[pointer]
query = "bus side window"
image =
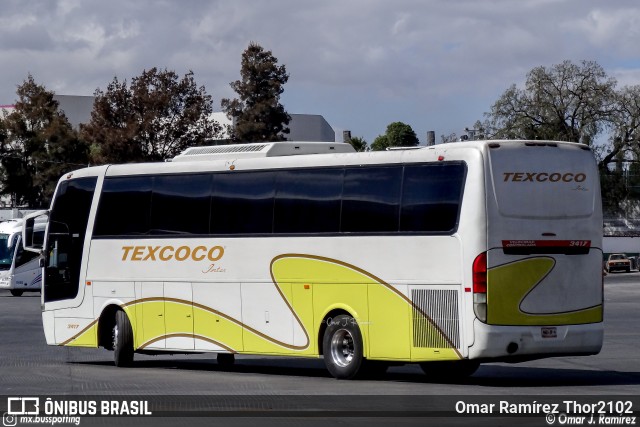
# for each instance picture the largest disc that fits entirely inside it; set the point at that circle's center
(38, 239)
(22, 256)
(65, 241)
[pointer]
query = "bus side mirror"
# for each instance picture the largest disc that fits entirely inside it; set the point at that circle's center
(30, 243)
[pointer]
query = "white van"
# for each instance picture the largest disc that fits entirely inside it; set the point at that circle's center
(19, 269)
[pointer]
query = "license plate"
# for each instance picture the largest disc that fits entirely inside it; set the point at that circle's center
(549, 332)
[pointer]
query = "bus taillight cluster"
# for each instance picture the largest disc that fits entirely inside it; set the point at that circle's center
(480, 286)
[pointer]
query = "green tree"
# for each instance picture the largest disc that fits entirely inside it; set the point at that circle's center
(155, 118)
(398, 134)
(359, 144)
(38, 145)
(257, 113)
(565, 102)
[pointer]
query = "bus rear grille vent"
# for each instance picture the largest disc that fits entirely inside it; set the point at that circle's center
(441, 326)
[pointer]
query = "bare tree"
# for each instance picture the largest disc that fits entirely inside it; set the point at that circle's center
(566, 102)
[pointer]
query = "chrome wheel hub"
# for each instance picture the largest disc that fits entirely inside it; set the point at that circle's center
(342, 347)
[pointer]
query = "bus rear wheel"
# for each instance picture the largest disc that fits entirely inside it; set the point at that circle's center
(450, 370)
(122, 336)
(342, 347)
(16, 292)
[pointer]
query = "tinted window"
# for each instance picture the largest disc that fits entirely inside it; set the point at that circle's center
(431, 197)
(73, 202)
(371, 200)
(180, 204)
(242, 203)
(308, 201)
(23, 257)
(67, 229)
(125, 206)
(367, 199)
(6, 251)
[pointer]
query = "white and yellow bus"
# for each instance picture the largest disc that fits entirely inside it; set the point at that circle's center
(447, 256)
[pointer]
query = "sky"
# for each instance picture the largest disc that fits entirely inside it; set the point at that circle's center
(362, 64)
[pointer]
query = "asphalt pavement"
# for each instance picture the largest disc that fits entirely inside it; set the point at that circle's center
(28, 367)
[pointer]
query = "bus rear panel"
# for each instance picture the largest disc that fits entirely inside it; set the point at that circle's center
(542, 293)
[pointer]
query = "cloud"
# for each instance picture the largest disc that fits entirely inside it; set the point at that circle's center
(616, 29)
(362, 64)
(627, 76)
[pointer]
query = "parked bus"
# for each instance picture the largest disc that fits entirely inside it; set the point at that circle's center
(19, 269)
(447, 256)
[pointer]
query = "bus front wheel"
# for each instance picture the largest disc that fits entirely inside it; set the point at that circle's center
(16, 293)
(122, 336)
(342, 347)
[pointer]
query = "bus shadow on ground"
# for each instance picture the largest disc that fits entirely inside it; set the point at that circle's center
(523, 376)
(488, 375)
(7, 294)
(294, 369)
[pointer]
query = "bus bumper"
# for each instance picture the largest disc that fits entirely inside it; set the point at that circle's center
(5, 282)
(531, 342)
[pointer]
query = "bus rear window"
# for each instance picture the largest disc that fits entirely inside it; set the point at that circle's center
(544, 182)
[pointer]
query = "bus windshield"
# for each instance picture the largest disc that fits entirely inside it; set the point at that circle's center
(7, 249)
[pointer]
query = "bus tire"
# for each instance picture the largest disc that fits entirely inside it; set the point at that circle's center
(342, 347)
(226, 360)
(122, 340)
(16, 292)
(450, 370)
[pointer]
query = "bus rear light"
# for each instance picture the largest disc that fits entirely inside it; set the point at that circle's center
(480, 309)
(480, 274)
(480, 286)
